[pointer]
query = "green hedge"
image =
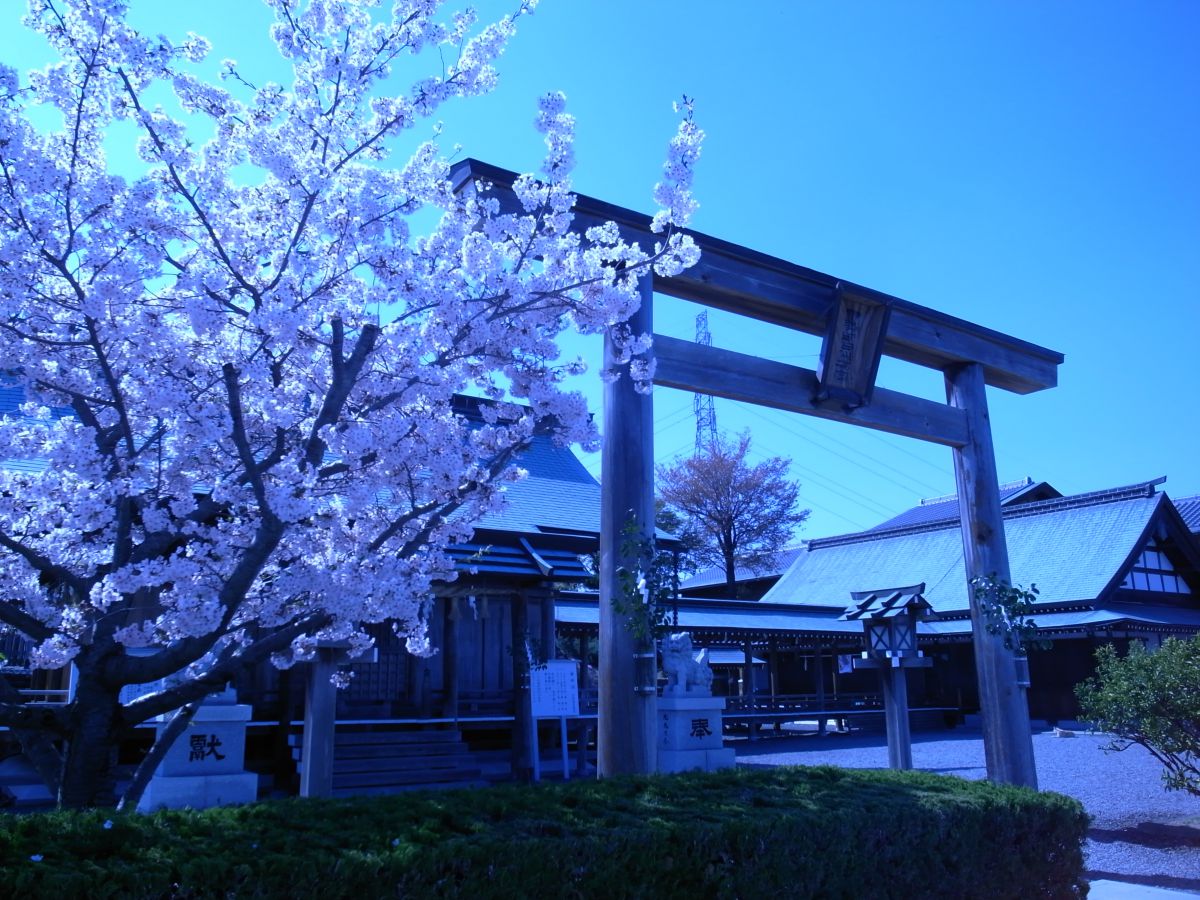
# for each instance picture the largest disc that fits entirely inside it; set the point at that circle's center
(774, 832)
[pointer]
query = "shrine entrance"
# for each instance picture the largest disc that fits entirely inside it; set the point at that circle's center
(857, 326)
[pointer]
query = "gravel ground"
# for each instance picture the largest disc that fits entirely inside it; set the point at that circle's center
(1140, 833)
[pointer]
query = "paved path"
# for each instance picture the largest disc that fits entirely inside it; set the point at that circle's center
(1141, 835)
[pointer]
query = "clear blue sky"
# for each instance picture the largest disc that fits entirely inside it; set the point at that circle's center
(1028, 166)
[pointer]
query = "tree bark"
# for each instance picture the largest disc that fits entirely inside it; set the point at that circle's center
(730, 569)
(162, 744)
(88, 777)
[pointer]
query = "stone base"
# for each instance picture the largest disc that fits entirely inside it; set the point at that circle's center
(692, 760)
(689, 735)
(198, 791)
(213, 744)
(690, 723)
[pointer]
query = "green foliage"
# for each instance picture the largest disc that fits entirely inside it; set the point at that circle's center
(1007, 608)
(1151, 699)
(741, 832)
(643, 593)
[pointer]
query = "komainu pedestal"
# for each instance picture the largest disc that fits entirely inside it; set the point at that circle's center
(206, 764)
(689, 717)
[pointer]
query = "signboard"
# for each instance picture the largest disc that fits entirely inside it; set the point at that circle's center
(554, 689)
(851, 349)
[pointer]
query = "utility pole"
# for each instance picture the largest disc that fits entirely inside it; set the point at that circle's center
(706, 413)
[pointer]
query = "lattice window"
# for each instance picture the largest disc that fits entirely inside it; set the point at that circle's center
(1154, 571)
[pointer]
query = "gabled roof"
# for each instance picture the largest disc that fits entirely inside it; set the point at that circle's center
(945, 509)
(1075, 549)
(548, 518)
(558, 497)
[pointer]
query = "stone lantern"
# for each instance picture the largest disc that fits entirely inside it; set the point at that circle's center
(890, 619)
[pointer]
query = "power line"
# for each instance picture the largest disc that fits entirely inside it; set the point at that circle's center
(836, 487)
(925, 486)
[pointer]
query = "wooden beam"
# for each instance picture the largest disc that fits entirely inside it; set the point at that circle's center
(736, 376)
(782, 293)
(1007, 737)
(744, 281)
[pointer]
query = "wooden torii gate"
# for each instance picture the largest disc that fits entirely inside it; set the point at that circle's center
(857, 325)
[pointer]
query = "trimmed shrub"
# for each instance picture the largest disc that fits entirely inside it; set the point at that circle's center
(788, 831)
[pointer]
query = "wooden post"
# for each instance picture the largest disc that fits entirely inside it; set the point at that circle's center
(1007, 738)
(626, 717)
(547, 638)
(819, 665)
(748, 687)
(895, 713)
(522, 760)
(320, 711)
(450, 658)
(773, 666)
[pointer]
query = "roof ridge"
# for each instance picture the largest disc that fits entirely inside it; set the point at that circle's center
(1090, 498)
(1027, 481)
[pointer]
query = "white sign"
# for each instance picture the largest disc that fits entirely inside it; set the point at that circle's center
(554, 689)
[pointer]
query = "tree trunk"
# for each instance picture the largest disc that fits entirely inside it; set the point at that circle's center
(730, 575)
(89, 777)
(37, 745)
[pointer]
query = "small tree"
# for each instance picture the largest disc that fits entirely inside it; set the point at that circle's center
(740, 513)
(257, 359)
(1151, 699)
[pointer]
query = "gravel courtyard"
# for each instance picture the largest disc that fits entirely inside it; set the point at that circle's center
(1140, 833)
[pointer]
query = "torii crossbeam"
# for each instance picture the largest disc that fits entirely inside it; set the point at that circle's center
(858, 325)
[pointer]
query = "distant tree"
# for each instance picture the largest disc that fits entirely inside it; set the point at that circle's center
(1151, 699)
(740, 513)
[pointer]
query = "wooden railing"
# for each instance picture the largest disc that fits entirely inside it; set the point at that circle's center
(810, 703)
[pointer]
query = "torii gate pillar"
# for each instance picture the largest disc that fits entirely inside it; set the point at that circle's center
(628, 699)
(1007, 738)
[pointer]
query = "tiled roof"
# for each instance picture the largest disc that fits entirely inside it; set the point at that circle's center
(942, 509)
(558, 496)
(726, 615)
(1072, 548)
(1189, 509)
(713, 575)
(1131, 616)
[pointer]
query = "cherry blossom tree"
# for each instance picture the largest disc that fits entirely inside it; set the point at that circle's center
(258, 357)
